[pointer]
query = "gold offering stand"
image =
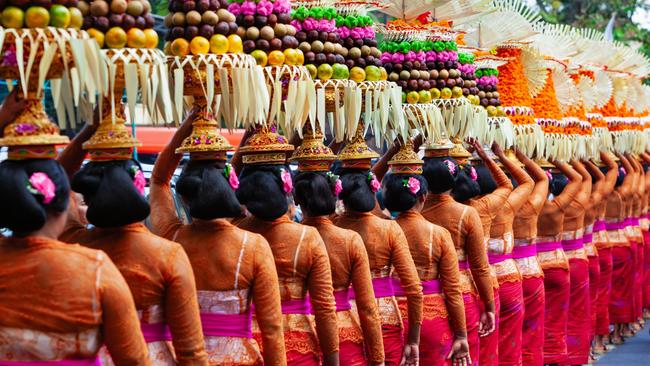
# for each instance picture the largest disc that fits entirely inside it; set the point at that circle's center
(31, 56)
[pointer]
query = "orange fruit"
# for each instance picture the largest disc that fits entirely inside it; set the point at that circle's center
(180, 47)
(235, 44)
(37, 17)
(219, 44)
(276, 58)
(135, 38)
(12, 17)
(199, 45)
(97, 35)
(116, 38)
(151, 38)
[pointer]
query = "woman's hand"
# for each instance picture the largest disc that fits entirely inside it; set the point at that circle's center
(11, 108)
(486, 326)
(459, 353)
(411, 356)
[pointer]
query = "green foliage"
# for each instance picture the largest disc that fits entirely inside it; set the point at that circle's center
(159, 7)
(596, 14)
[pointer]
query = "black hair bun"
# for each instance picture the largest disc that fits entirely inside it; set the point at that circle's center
(357, 194)
(261, 191)
(398, 197)
(440, 173)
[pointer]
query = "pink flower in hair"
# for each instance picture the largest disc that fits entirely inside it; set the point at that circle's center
(622, 170)
(413, 185)
(41, 184)
(230, 174)
(338, 187)
(374, 183)
(549, 175)
(451, 166)
(139, 181)
(287, 183)
(473, 174)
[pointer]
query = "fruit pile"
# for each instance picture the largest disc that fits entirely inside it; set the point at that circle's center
(467, 70)
(320, 43)
(488, 93)
(119, 23)
(264, 26)
(425, 70)
(40, 14)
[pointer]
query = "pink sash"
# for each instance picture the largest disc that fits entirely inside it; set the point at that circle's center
(342, 298)
(463, 265)
(297, 306)
(498, 258)
(613, 226)
(383, 287)
(599, 225)
(634, 221)
(80, 362)
(524, 251)
(155, 332)
(428, 287)
(588, 238)
(227, 325)
(573, 244)
(548, 246)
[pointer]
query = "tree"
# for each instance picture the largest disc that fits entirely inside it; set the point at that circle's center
(159, 7)
(596, 14)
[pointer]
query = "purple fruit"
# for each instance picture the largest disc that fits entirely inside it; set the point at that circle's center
(289, 42)
(128, 22)
(115, 20)
(465, 91)
(440, 84)
(402, 84)
(149, 20)
(222, 28)
(358, 43)
(312, 35)
(398, 68)
(262, 44)
(330, 58)
(301, 36)
(333, 37)
(261, 20)
(360, 62)
(207, 31)
(191, 31)
(249, 21)
(276, 44)
(412, 84)
(188, 6)
(340, 59)
(408, 65)
(215, 5)
(426, 85)
(232, 28)
(284, 18)
(489, 88)
(348, 43)
(140, 23)
(310, 57)
(389, 67)
(451, 83)
(223, 4)
(249, 46)
(350, 64)
(175, 6)
(320, 58)
(202, 6)
(101, 24)
(323, 36)
(87, 23)
(272, 20)
(177, 32)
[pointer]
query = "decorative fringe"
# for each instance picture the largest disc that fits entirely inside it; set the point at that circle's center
(529, 139)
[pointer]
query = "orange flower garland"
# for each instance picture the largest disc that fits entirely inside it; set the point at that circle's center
(513, 87)
(545, 103)
(576, 110)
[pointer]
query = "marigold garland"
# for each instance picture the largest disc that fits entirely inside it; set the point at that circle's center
(512, 80)
(545, 103)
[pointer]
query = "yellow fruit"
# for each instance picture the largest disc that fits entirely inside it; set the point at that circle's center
(383, 74)
(219, 44)
(151, 38)
(180, 47)
(313, 71)
(357, 74)
(199, 45)
(301, 57)
(260, 57)
(59, 16)
(276, 58)
(235, 44)
(135, 38)
(116, 38)
(76, 18)
(97, 35)
(12, 17)
(37, 17)
(290, 56)
(167, 48)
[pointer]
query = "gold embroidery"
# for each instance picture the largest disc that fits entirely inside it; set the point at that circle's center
(18, 344)
(507, 271)
(553, 259)
(529, 267)
(467, 282)
(577, 254)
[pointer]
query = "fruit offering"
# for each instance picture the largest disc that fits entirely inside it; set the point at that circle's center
(119, 23)
(40, 14)
(467, 70)
(265, 30)
(200, 27)
(320, 43)
(488, 95)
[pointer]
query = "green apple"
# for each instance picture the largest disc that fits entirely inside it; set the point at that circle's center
(373, 73)
(340, 71)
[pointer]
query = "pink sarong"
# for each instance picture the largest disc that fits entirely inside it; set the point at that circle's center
(579, 321)
(556, 310)
(594, 286)
(155, 332)
(532, 347)
(472, 317)
(511, 322)
(393, 344)
(646, 269)
(620, 302)
(352, 353)
(604, 291)
(489, 355)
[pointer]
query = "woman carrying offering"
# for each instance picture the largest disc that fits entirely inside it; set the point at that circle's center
(234, 269)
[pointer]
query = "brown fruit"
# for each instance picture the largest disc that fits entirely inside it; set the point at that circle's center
(291, 30)
(252, 33)
(147, 6)
(241, 32)
(267, 33)
(84, 7)
(118, 6)
(328, 47)
(225, 15)
(98, 8)
(305, 47)
(210, 17)
(317, 46)
(280, 30)
(178, 19)
(169, 20)
(135, 8)
(193, 18)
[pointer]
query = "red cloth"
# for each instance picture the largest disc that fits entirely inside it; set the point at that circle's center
(436, 337)
(594, 281)
(633, 264)
(579, 320)
(393, 343)
(511, 323)
(352, 353)
(532, 347)
(472, 318)
(604, 291)
(638, 280)
(489, 355)
(556, 310)
(295, 358)
(646, 269)
(620, 301)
